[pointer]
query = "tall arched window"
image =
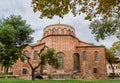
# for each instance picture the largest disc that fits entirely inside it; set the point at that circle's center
(76, 62)
(84, 55)
(26, 54)
(96, 56)
(60, 57)
(35, 55)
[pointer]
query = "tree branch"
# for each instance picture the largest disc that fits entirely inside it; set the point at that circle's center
(42, 50)
(37, 66)
(30, 64)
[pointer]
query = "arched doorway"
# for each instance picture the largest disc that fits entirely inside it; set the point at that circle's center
(76, 63)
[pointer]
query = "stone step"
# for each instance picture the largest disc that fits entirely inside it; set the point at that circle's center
(61, 76)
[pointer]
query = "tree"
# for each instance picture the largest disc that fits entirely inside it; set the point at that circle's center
(105, 10)
(7, 36)
(106, 27)
(92, 8)
(2, 52)
(116, 48)
(23, 30)
(14, 35)
(44, 57)
(111, 59)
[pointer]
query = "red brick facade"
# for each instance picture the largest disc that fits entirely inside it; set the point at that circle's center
(77, 56)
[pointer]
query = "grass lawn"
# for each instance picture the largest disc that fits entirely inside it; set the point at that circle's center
(57, 81)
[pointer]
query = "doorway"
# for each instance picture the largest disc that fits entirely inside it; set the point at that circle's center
(76, 60)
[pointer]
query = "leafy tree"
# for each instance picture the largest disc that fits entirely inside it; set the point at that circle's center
(111, 59)
(14, 35)
(112, 55)
(116, 48)
(44, 57)
(108, 11)
(92, 8)
(2, 52)
(106, 27)
(23, 30)
(7, 36)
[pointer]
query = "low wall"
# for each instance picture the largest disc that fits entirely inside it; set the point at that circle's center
(7, 77)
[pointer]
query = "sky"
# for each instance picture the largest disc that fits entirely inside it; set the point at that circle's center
(23, 8)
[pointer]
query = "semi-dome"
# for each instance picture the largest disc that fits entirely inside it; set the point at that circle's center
(58, 29)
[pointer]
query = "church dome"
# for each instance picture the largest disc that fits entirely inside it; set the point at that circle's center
(58, 29)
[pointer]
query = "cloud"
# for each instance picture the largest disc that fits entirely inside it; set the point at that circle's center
(38, 33)
(23, 8)
(8, 7)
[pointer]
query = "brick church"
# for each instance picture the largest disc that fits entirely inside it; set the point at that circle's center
(75, 56)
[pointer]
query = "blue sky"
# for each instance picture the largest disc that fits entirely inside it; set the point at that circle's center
(23, 8)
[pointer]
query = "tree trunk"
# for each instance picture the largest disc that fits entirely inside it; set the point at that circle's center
(6, 69)
(1, 67)
(113, 71)
(33, 74)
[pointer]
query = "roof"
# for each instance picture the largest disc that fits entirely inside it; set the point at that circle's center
(59, 25)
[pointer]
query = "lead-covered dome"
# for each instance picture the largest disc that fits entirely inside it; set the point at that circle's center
(58, 29)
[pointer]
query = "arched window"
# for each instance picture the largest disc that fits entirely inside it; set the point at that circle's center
(59, 30)
(84, 55)
(76, 62)
(96, 56)
(26, 54)
(60, 57)
(35, 55)
(24, 71)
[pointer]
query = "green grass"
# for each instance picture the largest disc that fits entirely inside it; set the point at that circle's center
(57, 81)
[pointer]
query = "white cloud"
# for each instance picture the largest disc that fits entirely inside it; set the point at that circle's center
(23, 8)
